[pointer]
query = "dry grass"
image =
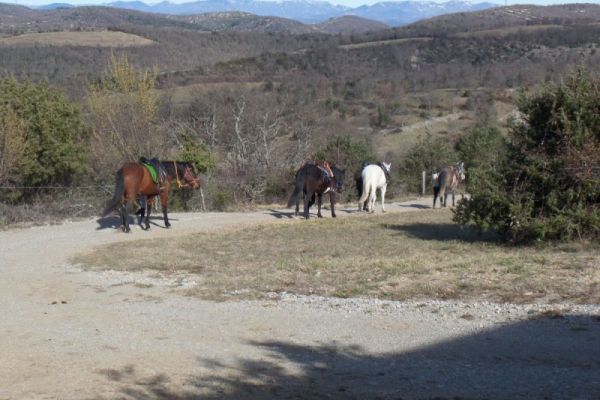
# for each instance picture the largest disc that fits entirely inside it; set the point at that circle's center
(86, 39)
(502, 32)
(395, 256)
(384, 43)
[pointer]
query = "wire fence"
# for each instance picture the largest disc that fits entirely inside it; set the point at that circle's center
(49, 203)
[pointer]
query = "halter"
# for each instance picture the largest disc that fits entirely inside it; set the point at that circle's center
(385, 172)
(186, 176)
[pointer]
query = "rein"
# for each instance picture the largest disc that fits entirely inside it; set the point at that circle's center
(179, 185)
(185, 177)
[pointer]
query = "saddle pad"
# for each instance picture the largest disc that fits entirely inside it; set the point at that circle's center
(153, 172)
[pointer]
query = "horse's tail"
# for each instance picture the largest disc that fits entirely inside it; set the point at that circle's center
(365, 189)
(294, 198)
(359, 186)
(119, 189)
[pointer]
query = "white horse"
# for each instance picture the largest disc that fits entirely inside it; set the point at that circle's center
(374, 177)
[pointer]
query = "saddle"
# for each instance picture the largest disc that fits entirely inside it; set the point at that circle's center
(328, 176)
(157, 172)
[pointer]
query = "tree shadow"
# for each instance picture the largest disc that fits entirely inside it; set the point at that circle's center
(553, 357)
(444, 232)
(415, 205)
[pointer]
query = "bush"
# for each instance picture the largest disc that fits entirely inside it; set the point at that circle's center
(429, 155)
(548, 187)
(481, 147)
(52, 147)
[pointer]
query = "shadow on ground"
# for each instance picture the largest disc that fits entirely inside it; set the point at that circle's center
(547, 358)
(114, 222)
(443, 232)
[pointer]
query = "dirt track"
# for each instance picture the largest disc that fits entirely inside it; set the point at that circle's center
(69, 334)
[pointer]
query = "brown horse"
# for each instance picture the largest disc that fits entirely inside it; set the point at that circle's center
(447, 180)
(311, 180)
(134, 180)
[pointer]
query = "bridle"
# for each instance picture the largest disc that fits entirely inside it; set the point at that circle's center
(388, 177)
(187, 177)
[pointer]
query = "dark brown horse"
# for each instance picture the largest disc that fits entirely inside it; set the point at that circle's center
(134, 180)
(312, 182)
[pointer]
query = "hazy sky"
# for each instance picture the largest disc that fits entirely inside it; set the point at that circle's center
(350, 3)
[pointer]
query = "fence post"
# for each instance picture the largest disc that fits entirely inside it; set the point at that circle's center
(423, 183)
(202, 197)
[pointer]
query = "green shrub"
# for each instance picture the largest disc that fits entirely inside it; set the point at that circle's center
(548, 186)
(429, 154)
(55, 137)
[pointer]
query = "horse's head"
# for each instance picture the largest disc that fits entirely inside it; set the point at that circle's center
(190, 176)
(185, 174)
(386, 167)
(339, 175)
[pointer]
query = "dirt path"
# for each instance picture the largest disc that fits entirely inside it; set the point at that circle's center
(69, 334)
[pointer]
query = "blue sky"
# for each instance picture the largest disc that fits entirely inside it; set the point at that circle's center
(350, 3)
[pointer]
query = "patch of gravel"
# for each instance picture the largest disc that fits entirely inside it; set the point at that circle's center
(135, 335)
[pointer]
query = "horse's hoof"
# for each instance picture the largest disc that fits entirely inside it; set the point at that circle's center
(319, 216)
(333, 216)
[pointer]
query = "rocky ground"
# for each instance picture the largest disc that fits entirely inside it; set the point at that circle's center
(66, 333)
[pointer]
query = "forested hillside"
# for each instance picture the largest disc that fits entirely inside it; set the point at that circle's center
(250, 104)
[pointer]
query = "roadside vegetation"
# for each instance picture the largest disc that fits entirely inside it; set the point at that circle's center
(249, 108)
(415, 255)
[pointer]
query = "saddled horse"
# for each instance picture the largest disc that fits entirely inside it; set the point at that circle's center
(312, 181)
(133, 180)
(373, 177)
(447, 180)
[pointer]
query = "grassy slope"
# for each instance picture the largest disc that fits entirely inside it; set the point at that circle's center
(88, 39)
(395, 256)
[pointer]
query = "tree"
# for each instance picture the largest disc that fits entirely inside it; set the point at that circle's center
(123, 113)
(13, 147)
(482, 146)
(429, 154)
(345, 152)
(44, 133)
(548, 187)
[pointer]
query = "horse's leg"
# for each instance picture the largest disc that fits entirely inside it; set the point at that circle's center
(143, 200)
(452, 197)
(306, 204)
(164, 201)
(332, 200)
(383, 188)
(372, 198)
(319, 203)
(129, 199)
(148, 210)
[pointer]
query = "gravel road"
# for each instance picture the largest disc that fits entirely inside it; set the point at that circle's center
(72, 334)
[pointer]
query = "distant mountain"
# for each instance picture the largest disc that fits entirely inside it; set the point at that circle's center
(313, 11)
(54, 6)
(244, 22)
(406, 12)
(348, 24)
(299, 10)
